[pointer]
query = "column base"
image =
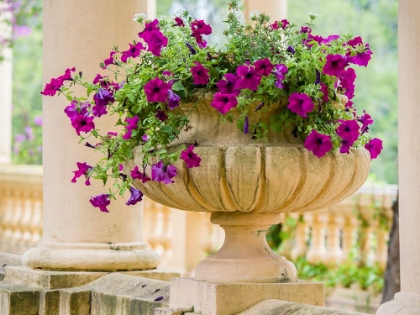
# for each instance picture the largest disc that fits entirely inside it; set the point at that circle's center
(211, 298)
(403, 304)
(90, 257)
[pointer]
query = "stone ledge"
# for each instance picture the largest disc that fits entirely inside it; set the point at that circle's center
(276, 307)
(231, 298)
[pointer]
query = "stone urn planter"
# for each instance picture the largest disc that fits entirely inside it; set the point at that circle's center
(246, 185)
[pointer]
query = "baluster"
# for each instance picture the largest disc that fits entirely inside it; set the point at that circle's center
(301, 247)
(317, 250)
(286, 245)
(35, 224)
(17, 196)
(166, 235)
(27, 204)
(151, 213)
(8, 214)
(335, 224)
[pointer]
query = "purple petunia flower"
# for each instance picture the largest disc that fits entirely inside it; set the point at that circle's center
(145, 137)
(135, 196)
(335, 65)
(279, 71)
(361, 58)
(179, 21)
(161, 115)
(275, 25)
(110, 60)
(173, 99)
(191, 48)
(20, 138)
(374, 147)
(301, 104)
(82, 123)
(133, 51)
(228, 85)
(284, 23)
(347, 78)
(163, 173)
(305, 29)
(102, 98)
(249, 78)
(156, 90)
(136, 174)
(74, 108)
(345, 146)
(200, 27)
(83, 170)
(318, 143)
(324, 89)
(132, 124)
(291, 50)
(153, 37)
(348, 130)
(200, 74)
(246, 125)
(100, 201)
(329, 39)
(224, 102)
(366, 120)
(190, 158)
(55, 84)
(263, 67)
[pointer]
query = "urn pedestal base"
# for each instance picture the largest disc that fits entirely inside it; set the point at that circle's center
(210, 298)
(245, 255)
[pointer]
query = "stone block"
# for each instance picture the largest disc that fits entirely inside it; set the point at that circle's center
(18, 300)
(75, 301)
(49, 301)
(212, 298)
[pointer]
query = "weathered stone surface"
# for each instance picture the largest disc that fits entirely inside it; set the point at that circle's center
(231, 298)
(18, 300)
(49, 301)
(277, 307)
(8, 260)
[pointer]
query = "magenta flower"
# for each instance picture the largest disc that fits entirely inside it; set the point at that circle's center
(133, 51)
(163, 173)
(228, 85)
(74, 108)
(156, 90)
(55, 84)
(361, 58)
(318, 143)
(136, 174)
(249, 78)
(149, 27)
(83, 170)
(284, 23)
(173, 99)
(305, 29)
(199, 27)
(329, 39)
(135, 196)
(200, 74)
(263, 67)
(374, 147)
(99, 78)
(275, 25)
(348, 130)
(102, 98)
(82, 123)
(145, 137)
(366, 120)
(324, 89)
(155, 42)
(301, 104)
(224, 102)
(279, 71)
(335, 65)
(109, 61)
(179, 21)
(161, 115)
(100, 201)
(132, 125)
(345, 146)
(191, 159)
(347, 78)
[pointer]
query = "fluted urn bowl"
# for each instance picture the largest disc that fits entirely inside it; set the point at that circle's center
(246, 184)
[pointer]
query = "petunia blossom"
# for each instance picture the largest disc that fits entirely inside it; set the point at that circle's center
(101, 201)
(335, 65)
(318, 143)
(246, 125)
(82, 123)
(360, 58)
(161, 115)
(249, 78)
(279, 71)
(156, 90)
(163, 173)
(348, 130)
(179, 21)
(173, 99)
(374, 147)
(75, 107)
(190, 158)
(263, 67)
(228, 84)
(345, 146)
(135, 196)
(200, 74)
(324, 90)
(109, 61)
(224, 102)
(55, 84)
(301, 104)
(155, 42)
(366, 120)
(136, 174)
(83, 170)
(132, 125)
(133, 51)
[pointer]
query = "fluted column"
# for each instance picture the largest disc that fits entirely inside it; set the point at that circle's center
(407, 301)
(79, 33)
(5, 95)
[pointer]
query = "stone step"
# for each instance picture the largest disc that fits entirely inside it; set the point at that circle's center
(16, 299)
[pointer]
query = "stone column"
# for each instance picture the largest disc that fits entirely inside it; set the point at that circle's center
(407, 301)
(79, 33)
(5, 96)
(277, 9)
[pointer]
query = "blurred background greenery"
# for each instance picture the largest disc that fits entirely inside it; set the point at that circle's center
(376, 86)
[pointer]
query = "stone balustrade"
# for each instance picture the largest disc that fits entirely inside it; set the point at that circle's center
(185, 238)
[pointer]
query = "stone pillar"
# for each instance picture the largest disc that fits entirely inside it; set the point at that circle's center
(407, 301)
(277, 9)
(77, 236)
(5, 96)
